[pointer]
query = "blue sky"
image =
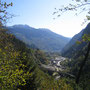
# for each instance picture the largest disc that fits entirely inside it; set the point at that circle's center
(38, 14)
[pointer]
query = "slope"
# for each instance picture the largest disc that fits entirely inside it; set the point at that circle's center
(43, 39)
(19, 68)
(77, 53)
(72, 47)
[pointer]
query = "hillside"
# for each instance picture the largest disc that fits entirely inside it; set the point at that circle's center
(43, 39)
(77, 53)
(18, 64)
(72, 47)
(19, 67)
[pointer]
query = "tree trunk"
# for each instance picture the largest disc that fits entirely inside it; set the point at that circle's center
(83, 63)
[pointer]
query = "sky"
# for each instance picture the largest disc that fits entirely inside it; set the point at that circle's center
(38, 14)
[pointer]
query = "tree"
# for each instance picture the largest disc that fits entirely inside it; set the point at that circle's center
(79, 6)
(4, 14)
(13, 71)
(86, 38)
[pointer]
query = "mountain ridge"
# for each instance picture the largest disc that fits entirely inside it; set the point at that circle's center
(44, 39)
(72, 46)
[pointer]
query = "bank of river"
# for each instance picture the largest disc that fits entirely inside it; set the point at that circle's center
(55, 64)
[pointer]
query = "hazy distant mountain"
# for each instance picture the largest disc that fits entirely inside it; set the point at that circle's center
(72, 47)
(43, 39)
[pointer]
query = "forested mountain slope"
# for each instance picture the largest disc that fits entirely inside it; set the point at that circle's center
(77, 53)
(43, 39)
(19, 67)
(72, 47)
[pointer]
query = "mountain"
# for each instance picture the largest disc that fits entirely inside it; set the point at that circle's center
(41, 38)
(72, 47)
(78, 54)
(20, 67)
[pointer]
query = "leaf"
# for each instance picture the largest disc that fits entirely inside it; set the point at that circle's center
(78, 42)
(88, 17)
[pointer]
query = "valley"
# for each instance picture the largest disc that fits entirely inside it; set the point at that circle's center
(39, 51)
(40, 69)
(54, 64)
(43, 39)
(56, 69)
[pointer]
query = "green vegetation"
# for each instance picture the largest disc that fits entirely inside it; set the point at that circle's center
(19, 67)
(13, 62)
(73, 67)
